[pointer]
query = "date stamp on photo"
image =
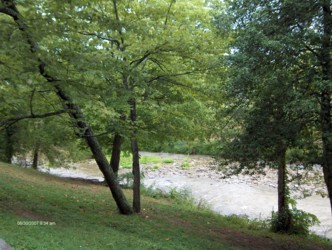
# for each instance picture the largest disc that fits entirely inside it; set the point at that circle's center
(35, 223)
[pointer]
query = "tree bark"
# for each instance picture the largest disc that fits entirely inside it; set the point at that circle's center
(108, 173)
(325, 104)
(116, 153)
(75, 113)
(284, 218)
(136, 166)
(137, 177)
(35, 156)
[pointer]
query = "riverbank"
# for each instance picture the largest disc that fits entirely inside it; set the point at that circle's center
(253, 196)
(41, 211)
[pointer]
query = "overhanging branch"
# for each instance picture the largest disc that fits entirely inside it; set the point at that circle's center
(10, 12)
(13, 120)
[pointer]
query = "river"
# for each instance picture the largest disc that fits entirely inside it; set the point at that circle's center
(240, 195)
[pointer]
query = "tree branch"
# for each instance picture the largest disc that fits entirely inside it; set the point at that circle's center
(311, 50)
(168, 11)
(11, 121)
(172, 75)
(139, 61)
(119, 28)
(10, 12)
(112, 40)
(31, 101)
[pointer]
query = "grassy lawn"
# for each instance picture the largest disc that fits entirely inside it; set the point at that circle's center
(39, 211)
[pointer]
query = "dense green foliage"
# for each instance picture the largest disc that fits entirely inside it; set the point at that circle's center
(161, 54)
(249, 81)
(278, 88)
(270, 87)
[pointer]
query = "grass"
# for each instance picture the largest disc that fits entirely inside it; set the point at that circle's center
(185, 165)
(168, 161)
(126, 160)
(66, 214)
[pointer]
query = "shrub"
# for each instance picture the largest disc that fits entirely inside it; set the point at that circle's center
(299, 221)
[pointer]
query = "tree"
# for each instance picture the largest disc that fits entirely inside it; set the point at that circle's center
(9, 8)
(106, 55)
(271, 89)
(151, 68)
(297, 36)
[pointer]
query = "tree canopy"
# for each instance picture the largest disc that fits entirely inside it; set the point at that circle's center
(255, 75)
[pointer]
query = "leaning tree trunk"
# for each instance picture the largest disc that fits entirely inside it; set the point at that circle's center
(77, 115)
(284, 216)
(325, 104)
(116, 153)
(74, 111)
(136, 166)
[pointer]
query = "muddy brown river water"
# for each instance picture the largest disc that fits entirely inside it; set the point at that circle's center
(241, 195)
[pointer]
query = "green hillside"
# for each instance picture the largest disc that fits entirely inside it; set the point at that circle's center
(39, 211)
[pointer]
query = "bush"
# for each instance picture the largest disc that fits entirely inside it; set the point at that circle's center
(293, 221)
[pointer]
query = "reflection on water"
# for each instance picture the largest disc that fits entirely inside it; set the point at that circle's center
(252, 200)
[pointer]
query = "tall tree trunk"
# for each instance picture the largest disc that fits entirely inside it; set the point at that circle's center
(133, 117)
(137, 177)
(283, 206)
(116, 153)
(35, 156)
(74, 111)
(136, 166)
(325, 103)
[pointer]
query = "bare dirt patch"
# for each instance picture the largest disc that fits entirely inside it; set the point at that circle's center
(25, 213)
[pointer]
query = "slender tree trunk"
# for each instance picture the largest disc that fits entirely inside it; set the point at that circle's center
(136, 166)
(133, 117)
(75, 113)
(116, 153)
(325, 117)
(284, 218)
(35, 156)
(137, 177)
